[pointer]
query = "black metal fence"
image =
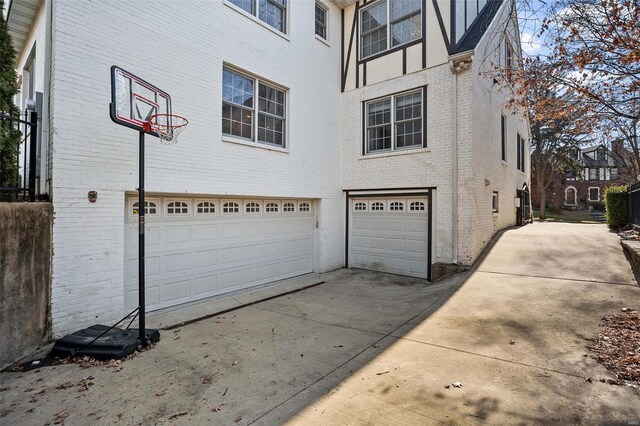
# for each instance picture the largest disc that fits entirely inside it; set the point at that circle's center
(633, 204)
(18, 165)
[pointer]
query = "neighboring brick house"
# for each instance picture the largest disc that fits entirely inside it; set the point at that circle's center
(599, 168)
(392, 150)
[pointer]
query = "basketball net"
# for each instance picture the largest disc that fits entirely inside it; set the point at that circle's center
(167, 127)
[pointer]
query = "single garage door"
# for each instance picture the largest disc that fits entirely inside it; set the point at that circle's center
(196, 248)
(390, 235)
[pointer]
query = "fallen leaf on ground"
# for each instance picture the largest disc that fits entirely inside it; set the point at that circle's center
(238, 419)
(5, 411)
(4, 389)
(616, 346)
(447, 386)
(161, 393)
(65, 385)
(380, 374)
(217, 408)
(85, 383)
(234, 363)
(206, 379)
(59, 417)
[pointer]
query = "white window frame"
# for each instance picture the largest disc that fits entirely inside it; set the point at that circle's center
(410, 204)
(393, 203)
(301, 204)
(216, 206)
(256, 111)
(255, 203)
(266, 206)
(359, 202)
(238, 202)
(589, 193)
(255, 15)
(295, 206)
(176, 200)
(324, 7)
(566, 196)
(389, 25)
(384, 206)
(393, 98)
(155, 201)
(495, 202)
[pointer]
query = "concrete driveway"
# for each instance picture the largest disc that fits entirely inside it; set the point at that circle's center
(371, 348)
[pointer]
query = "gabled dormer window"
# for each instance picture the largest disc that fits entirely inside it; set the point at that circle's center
(389, 23)
(601, 154)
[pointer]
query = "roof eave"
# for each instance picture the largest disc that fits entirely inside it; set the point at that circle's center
(21, 15)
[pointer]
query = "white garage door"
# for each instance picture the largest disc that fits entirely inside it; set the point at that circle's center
(196, 248)
(390, 235)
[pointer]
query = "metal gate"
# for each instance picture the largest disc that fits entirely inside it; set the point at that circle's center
(18, 164)
(523, 211)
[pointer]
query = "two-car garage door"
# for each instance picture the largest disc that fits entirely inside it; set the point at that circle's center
(390, 234)
(196, 248)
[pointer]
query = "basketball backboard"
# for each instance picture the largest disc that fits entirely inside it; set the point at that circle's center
(134, 101)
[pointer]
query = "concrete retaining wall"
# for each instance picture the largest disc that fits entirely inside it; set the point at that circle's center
(25, 278)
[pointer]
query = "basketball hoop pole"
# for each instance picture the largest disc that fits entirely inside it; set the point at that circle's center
(141, 225)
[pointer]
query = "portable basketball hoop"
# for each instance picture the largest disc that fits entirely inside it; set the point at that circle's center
(141, 106)
(166, 126)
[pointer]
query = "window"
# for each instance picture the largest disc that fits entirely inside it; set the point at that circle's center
(271, 12)
(289, 207)
(397, 20)
(594, 174)
(271, 208)
(396, 206)
(321, 20)
(360, 206)
(304, 207)
(508, 54)
(394, 122)
(503, 135)
(377, 206)
(239, 109)
(206, 207)
(177, 207)
(252, 208)
(416, 206)
(521, 153)
(613, 173)
(494, 202)
(149, 208)
(570, 196)
(230, 207)
(601, 155)
(594, 194)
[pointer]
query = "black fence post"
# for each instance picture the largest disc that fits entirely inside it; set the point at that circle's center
(33, 146)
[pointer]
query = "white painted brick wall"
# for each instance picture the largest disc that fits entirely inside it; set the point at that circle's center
(184, 58)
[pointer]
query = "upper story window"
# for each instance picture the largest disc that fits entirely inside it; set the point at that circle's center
(321, 20)
(503, 135)
(271, 12)
(399, 21)
(601, 155)
(394, 123)
(243, 117)
(594, 174)
(613, 173)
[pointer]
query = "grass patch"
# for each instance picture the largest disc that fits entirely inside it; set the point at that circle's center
(565, 216)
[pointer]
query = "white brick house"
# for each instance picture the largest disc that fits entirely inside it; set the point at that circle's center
(383, 157)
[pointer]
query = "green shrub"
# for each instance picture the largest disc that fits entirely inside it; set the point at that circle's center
(598, 206)
(615, 198)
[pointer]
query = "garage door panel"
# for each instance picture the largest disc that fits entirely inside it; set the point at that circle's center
(151, 237)
(230, 254)
(205, 258)
(389, 241)
(177, 262)
(230, 229)
(252, 229)
(205, 232)
(252, 251)
(272, 248)
(205, 285)
(272, 227)
(177, 291)
(177, 234)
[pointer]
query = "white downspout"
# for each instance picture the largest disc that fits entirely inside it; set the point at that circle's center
(454, 160)
(45, 184)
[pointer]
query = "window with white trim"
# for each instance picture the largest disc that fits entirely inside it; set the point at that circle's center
(322, 15)
(377, 206)
(271, 207)
(230, 207)
(252, 207)
(613, 173)
(289, 207)
(149, 208)
(205, 207)
(177, 207)
(271, 12)
(242, 117)
(304, 207)
(397, 20)
(396, 206)
(395, 122)
(360, 206)
(594, 194)
(494, 202)
(416, 206)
